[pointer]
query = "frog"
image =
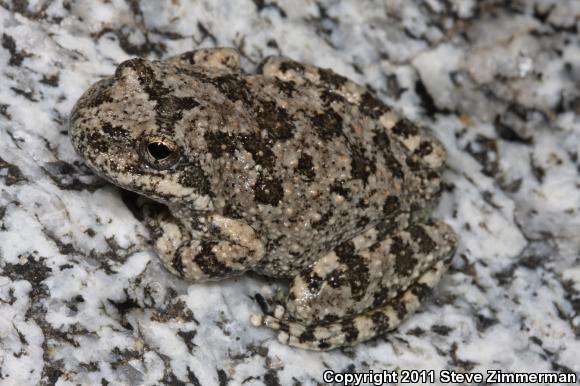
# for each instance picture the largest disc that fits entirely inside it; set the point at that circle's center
(293, 172)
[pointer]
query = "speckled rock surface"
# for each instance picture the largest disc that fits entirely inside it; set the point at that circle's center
(84, 300)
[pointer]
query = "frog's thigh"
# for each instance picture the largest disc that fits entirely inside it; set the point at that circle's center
(356, 276)
(222, 247)
(223, 58)
(285, 69)
(361, 327)
(344, 300)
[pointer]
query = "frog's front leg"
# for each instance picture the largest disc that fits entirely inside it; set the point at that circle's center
(363, 288)
(210, 247)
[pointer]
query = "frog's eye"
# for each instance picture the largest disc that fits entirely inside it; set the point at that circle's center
(159, 152)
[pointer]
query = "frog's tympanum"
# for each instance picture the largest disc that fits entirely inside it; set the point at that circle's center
(294, 172)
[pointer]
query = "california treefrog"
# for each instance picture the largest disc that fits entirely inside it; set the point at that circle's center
(294, 172)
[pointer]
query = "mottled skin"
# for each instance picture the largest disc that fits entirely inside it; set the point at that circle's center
(295, 172)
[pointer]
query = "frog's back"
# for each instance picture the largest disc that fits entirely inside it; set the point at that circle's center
(301, 165)
(307, 164)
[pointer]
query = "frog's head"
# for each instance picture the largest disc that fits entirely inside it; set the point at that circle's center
(124, 127)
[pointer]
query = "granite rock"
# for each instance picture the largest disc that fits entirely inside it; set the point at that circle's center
(84, 300)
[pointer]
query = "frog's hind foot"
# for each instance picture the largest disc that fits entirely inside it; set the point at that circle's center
(357, 328)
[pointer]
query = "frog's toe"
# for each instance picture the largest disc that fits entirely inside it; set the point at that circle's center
(272, 320)
(266, 321)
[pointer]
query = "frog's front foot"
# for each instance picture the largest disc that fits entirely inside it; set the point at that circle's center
(222, 247)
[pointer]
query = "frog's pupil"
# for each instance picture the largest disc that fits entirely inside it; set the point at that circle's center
(158, 150)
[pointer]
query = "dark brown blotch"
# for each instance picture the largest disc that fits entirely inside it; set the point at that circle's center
(289, 65)
(372, 106)
(380, 320)
(305, 166)
(421, 290)
(424, 149)
(350, 331)
(99, 144)
(230, 210)
(382, 140)
(330, 318)
(328, 97)
(331, 78)
(345, 250)
(234, 88)
(287, 87)
(391, 206)
(208, 262)
(177, 264)
(413, 164)
(314, 282)
(268, 190)
(166, 106)
(185, 103)
(354, 273)
(400, 309)
(405, 128)
(189, 56)
(219, 143)
(362, 222)
(116, 133)
(193, 176)
(384, 228)
(361, 166)
(327, 125)
(381, 296)
(275, 120)
(405, 261)
(142, 69)
(97, 96)
(307, 336)
(260, 149)
(394, 166)
(323, 345)
(422, 238)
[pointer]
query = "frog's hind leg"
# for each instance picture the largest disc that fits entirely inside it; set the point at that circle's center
(358, 328)
(289, 70)
(360, 280)
(423, 147)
